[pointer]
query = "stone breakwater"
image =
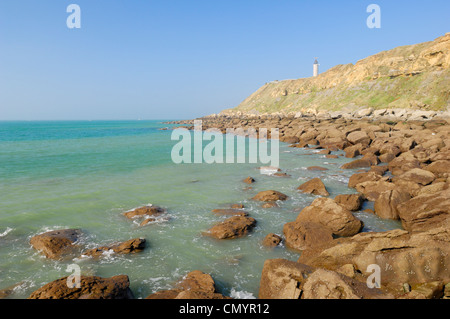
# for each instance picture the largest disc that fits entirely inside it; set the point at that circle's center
(403, 166)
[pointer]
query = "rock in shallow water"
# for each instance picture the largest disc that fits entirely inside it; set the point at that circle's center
(91, 287)
(233, 227)
(56, 244)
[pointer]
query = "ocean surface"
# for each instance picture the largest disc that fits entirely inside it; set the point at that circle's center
(85, 174)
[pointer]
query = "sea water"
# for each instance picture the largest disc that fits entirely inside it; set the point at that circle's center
(85, 174)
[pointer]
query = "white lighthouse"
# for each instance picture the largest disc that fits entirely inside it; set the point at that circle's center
(316, 68)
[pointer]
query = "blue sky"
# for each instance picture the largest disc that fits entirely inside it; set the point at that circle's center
(177, 59)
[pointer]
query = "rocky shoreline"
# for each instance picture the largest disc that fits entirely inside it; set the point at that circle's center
(402, 160)
(402, 166)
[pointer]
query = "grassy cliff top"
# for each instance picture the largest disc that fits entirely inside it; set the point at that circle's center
(413, 76)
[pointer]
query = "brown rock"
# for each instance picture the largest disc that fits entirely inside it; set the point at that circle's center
(357, 164)
(249, 180)
(418, 176)
(352, 202)
(272, 240)
(426, 212)
(328, 213)
(269, 196)
(317, 168)
(56, 244)
(314, 186)
(386, 204)
(402, 257)
(358, 137)
(301, 236)
(237, 206)
(371, 190)
(284, 279)
(439, 167)
(92, 287)
(359, 178)
(233, 227)
(127, 247)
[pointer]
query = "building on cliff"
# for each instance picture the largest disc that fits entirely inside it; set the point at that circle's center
(316, 68)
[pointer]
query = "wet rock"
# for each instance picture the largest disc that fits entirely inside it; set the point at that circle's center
(145, 211)
(233, 227)
(56, 244)
(352, 202)
(269, 196)
(233, 212)
(331, 215)
(195, 285)
(130, 246)
(272, 240)
(314, 186)
(249, 180)
(92, 287)
(317, 168)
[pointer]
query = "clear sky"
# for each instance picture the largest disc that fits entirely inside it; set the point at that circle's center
(175, 59)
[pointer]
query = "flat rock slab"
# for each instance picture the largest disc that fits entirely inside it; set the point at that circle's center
(91, 287)
(233, 227)
(130, 246)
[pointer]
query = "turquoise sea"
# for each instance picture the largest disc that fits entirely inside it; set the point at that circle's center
(85, 174)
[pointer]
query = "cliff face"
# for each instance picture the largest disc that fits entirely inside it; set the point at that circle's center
(413, 76)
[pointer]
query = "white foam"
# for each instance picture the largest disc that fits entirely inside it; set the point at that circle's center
(241, 294)
(6, 232)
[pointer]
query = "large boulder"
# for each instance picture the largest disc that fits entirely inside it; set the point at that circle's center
(425, 212)
(386, 204)
(314, 186)
(269, 196)
(328, 213)
(359, 137)
(284, 279)
(359, 178)
(300, 236)
(352, 202)
(56, 244)
(130, 246)
(91, 287)
(372, 190)
(233, 227)
(417, 175)
(403, 257)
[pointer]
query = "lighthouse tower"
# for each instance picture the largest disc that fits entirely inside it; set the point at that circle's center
(315, 68)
